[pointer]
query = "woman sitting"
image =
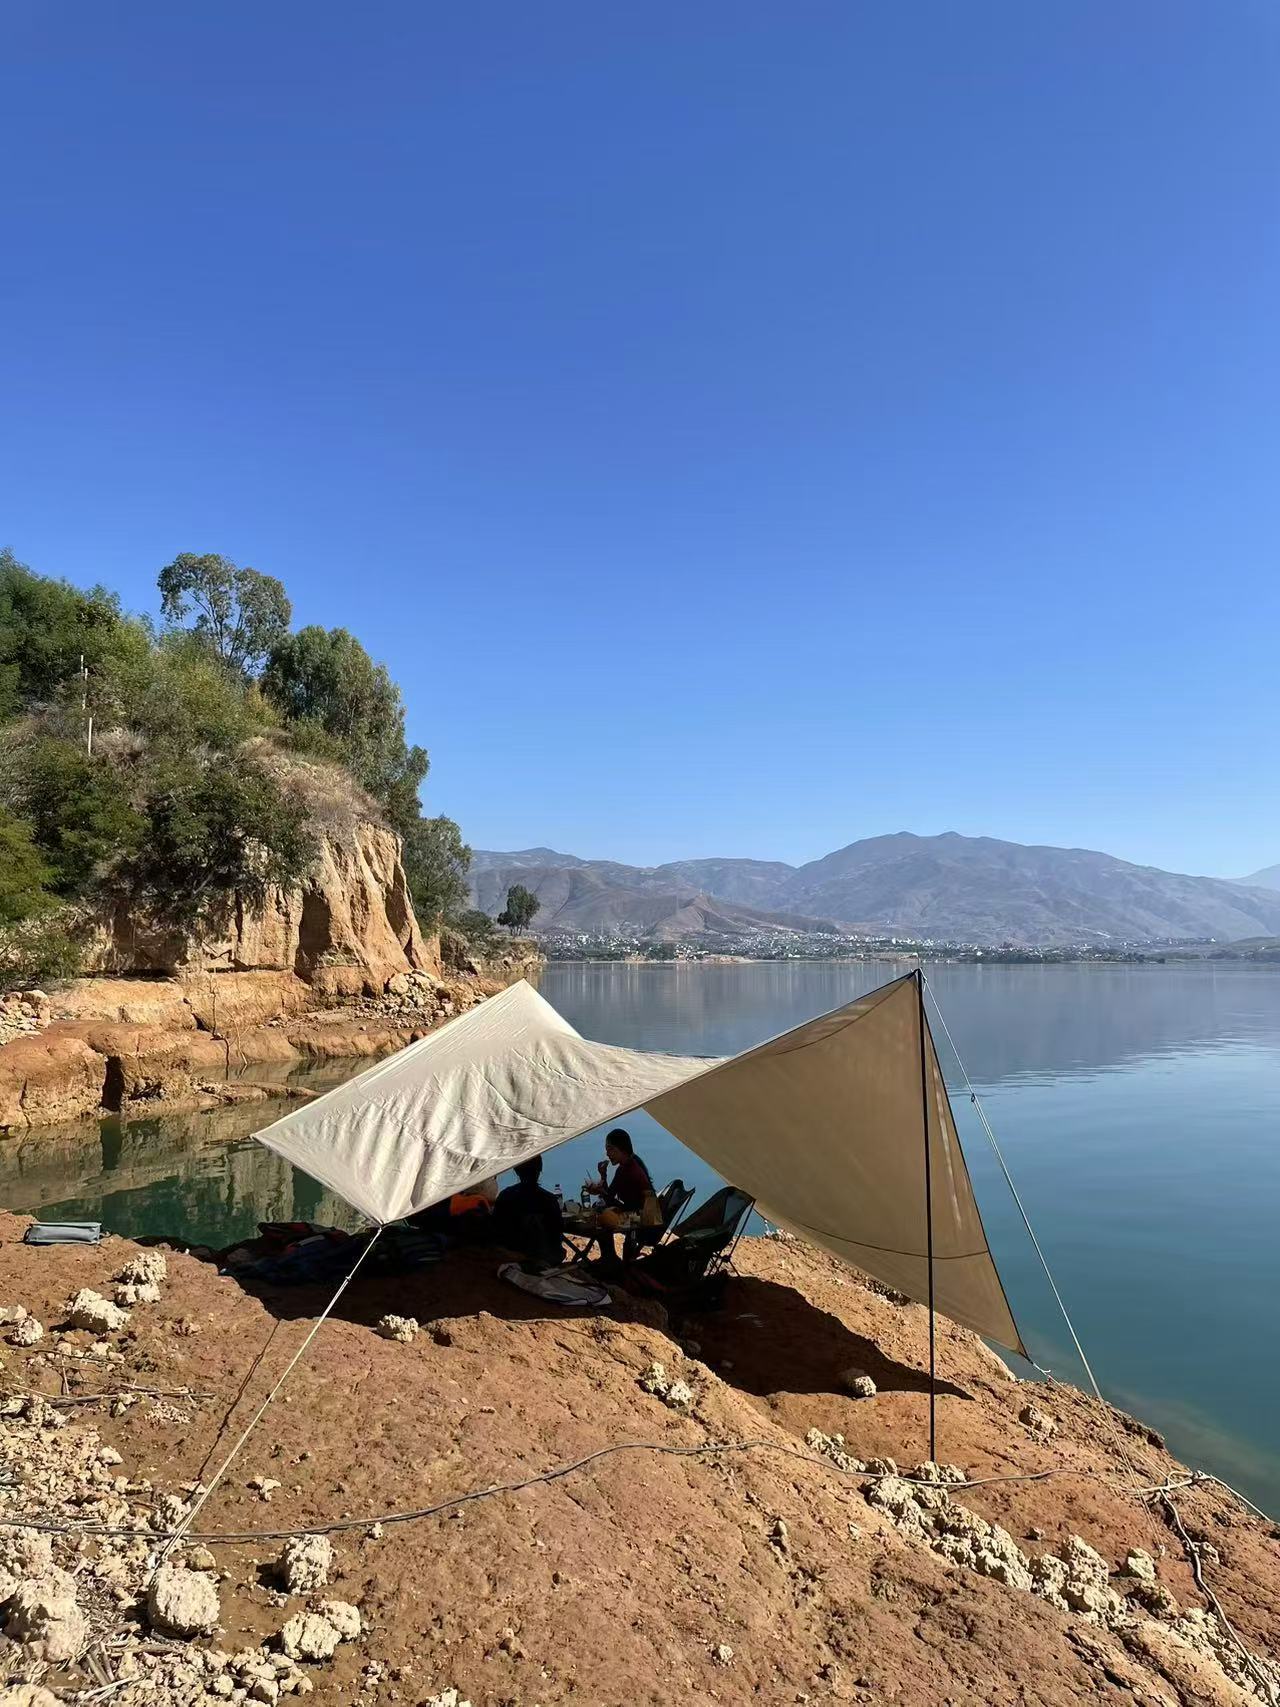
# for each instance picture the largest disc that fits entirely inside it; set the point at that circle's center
(624, 1196)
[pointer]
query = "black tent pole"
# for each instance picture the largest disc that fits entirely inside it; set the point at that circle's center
(928, 1217)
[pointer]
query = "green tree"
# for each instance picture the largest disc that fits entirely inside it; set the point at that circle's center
(436, 861)
(323, 682)
(78, 808)
(239, 613)
(521, 908)
(46, 626)
(23, 874)
(212, 830)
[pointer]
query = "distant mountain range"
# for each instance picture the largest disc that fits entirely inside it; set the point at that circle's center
(950, 887)
(1267, 878)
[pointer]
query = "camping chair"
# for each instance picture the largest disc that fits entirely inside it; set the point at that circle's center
(691, 1269)
(673, 1200)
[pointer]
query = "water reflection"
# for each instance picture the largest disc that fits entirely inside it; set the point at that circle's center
(1006, 1020)
(194, 1176)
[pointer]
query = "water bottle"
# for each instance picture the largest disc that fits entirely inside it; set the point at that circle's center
(559, 1197)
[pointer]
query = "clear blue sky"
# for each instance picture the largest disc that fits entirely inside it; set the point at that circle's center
(741, 428)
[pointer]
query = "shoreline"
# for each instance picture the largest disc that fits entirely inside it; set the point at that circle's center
(800, 1563)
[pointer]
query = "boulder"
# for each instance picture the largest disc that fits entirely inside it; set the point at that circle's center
(90, 1310)
(305, 1563)
(27, 1332)
(51, 1076)
(182, 1602)
(1139, 1563)
(44, 1617)
(145, 1267)
(307, 1636)
(858, 1383)
(401, 1328)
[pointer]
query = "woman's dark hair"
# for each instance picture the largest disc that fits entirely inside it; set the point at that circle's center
(620, 1138)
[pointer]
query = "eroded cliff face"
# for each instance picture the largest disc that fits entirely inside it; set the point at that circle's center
(346, 932)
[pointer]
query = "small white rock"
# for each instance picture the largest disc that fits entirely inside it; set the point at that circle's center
(401, 1328)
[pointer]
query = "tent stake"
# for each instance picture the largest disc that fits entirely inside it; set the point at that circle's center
(928, 1218)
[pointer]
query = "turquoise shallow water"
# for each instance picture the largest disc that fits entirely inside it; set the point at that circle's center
(1139, 1108)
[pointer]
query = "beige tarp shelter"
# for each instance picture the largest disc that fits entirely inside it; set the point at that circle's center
(823, 1126)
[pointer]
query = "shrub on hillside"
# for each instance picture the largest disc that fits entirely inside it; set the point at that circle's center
(39, 950)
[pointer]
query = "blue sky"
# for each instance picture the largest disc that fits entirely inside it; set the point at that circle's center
(741, 428)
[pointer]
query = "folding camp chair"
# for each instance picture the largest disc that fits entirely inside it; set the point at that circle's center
(691, 1268)
(673, 1200)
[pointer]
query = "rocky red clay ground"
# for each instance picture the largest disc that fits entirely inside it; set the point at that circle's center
(765, 1575)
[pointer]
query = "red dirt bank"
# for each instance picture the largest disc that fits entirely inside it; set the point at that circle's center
(627, 1582)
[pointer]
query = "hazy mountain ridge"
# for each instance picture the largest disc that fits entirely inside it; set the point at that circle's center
(1267, 878)
(956, 888)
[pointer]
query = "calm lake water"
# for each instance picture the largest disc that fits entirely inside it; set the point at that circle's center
(1138, 1107)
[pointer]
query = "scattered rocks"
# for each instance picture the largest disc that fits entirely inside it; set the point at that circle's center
(1075, 1579)
(446, 1698)
(1039, 1422)
(306, 1562)
(89, 1309)
(832, 1446)
(264, 1486)
(943, 1474)
(182, 1602)
(44, 1617)
(677, 1394)
(400, 1328)
(859, 1384)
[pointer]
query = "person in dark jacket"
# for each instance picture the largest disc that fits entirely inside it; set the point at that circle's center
(527, 1218)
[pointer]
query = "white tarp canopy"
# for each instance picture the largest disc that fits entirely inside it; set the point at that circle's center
(823, 1126)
